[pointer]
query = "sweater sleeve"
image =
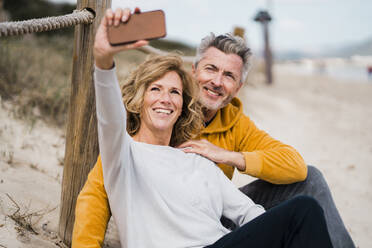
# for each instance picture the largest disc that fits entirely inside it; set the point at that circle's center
(92, 211)
(236, 206)
(268, 158)
(113, 138)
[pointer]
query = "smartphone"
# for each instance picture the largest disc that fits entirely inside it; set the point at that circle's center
(140, 26)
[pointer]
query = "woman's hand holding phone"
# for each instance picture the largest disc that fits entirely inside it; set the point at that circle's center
(103, 51)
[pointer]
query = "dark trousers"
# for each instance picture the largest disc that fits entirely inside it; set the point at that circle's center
(269, 195)
(298, 222)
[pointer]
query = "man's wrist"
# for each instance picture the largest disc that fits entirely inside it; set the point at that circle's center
(236, 159)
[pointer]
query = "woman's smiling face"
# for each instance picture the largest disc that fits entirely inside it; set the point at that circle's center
(162, 104)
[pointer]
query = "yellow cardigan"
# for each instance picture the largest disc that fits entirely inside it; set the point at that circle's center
(265, 158)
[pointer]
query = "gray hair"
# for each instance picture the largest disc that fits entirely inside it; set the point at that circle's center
(228, 44)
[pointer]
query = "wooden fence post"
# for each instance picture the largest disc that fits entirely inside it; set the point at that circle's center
(3, 14)
(264, 18)
(81, 139)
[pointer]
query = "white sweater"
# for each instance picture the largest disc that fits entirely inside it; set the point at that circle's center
(160, 196)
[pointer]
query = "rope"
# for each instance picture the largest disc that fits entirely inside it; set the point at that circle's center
(46, 24)
(51, 23)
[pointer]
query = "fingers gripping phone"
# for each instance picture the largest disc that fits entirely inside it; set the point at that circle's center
(140, 26)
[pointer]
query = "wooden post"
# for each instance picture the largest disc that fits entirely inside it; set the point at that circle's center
(81, 140)
(267, 54)
(3, 14)
(239, 31)
(264, 18)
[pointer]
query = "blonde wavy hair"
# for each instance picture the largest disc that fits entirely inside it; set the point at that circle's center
(190, 122)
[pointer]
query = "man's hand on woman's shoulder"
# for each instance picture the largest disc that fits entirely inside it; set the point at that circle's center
(214, 153)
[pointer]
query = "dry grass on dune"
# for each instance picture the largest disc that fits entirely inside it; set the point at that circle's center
(35, 74)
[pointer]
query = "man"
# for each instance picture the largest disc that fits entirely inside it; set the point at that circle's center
(231, 140)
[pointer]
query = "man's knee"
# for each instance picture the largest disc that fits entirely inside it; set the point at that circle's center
(315, 181)
(314, 173)
(270, 195)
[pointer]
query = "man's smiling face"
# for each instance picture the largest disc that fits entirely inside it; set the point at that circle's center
(219, 76)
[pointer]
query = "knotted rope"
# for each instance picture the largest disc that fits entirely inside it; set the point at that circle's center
(46, 24)
(51, 23)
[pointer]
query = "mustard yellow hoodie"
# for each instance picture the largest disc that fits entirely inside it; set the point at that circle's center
(265, 158)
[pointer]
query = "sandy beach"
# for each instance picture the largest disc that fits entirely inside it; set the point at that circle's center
(328, 121)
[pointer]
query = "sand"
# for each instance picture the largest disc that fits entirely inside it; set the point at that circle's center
(328, 121)
(30, 173)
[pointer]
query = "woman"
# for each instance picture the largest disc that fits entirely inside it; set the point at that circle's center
(159, 195)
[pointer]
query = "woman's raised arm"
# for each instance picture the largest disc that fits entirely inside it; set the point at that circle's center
(111, 114)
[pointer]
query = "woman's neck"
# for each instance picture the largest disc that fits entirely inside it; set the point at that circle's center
(155, 138)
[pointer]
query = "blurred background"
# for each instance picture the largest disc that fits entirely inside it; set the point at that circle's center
(317, 54)
(304, 37)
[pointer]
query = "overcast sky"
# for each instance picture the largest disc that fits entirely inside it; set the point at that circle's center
(307, 25)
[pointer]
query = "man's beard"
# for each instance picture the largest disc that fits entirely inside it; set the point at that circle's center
(215, 106)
